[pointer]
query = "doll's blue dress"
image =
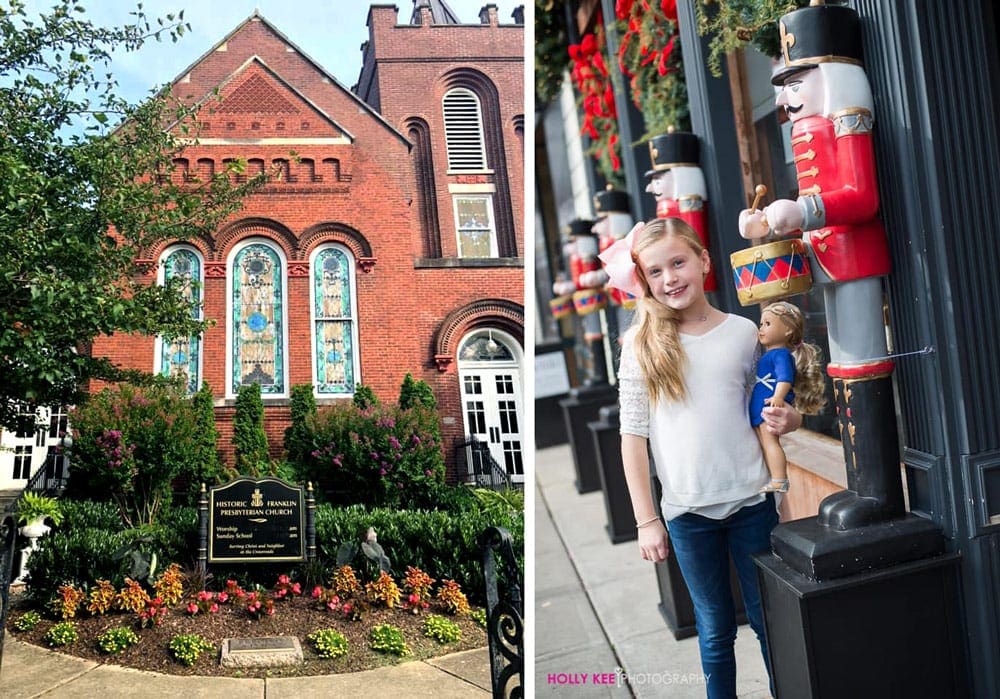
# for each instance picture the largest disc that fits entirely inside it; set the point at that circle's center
(774, 366)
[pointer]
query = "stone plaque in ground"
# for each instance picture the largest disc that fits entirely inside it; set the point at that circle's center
(267, 651)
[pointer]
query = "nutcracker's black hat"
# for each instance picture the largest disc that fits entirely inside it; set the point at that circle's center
(817, 34)
(611, 201)
(579, 226)
(672, 149)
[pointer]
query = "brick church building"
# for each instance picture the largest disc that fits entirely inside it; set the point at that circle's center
(391, 242)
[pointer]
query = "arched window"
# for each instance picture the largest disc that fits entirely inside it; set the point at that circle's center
(335, 363)
(181, 357)
(463, 129)
(257, 318)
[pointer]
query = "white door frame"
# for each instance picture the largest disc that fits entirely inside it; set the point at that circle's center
(504, 428)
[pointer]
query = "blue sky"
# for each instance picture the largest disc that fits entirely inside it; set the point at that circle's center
(329, 31)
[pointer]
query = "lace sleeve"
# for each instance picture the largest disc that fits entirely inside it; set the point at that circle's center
(632, 396)
(752, 376)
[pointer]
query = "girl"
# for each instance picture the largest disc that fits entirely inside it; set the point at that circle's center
(685, 368)
(788, 368)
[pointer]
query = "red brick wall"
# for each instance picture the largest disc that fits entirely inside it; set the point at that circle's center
(400, 306)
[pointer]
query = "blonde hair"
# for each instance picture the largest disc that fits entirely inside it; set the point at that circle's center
(809, 382)
(658, 346)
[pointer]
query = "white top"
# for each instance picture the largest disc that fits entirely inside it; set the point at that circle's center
(707, 457)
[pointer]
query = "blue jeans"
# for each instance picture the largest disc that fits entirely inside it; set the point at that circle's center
(703, 547)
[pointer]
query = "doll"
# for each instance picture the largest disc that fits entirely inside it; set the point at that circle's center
(787, 367)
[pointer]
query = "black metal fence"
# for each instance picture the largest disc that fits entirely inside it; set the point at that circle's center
(504, 613)
(473, 457)
(48, 480)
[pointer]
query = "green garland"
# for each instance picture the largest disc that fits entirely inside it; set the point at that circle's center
(650, 55)
(733, 24)
(551, 49)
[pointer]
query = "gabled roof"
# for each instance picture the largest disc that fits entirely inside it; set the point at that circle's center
(440, 12)
(258, 16)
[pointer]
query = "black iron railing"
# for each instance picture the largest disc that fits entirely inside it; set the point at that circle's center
(504, 613)
(49, 480)
(474, 457)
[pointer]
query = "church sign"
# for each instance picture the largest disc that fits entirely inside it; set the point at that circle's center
(256, 521)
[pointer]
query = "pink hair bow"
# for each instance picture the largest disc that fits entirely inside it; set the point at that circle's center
(619, 265)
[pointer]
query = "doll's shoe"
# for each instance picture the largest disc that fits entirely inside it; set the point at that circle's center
(777, 485)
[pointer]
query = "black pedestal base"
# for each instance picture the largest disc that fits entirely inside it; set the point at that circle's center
(579, 409)
(550, 426)
(893, 632)
(607, 445)
(823, 553)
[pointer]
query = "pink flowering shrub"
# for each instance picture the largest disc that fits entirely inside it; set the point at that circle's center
(381, 455)
(130, 445)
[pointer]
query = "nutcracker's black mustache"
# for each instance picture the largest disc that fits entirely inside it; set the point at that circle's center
(793, 110)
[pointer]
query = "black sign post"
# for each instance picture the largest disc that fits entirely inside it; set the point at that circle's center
(250, 520)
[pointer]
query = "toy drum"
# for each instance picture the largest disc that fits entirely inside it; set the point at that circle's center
(589, 300)
(771, 271)
(561, 307)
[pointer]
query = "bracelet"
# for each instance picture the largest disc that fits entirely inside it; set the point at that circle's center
(640, 525)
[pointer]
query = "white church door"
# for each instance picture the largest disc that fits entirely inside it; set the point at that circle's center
(489, 367)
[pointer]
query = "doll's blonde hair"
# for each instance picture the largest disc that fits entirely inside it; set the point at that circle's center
(658, 346)
(809, 381)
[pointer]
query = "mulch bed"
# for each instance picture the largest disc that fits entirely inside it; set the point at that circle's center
(297, 616)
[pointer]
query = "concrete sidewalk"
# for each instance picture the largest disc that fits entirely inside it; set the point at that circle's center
(30, 671)
(596, 606)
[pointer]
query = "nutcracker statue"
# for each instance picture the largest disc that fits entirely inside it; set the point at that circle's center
(589, 298)
(677, 183)
(825, 92)
(584, 401)
(614, 221)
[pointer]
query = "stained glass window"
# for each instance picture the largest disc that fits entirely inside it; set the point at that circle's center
(258, 319)
(474, 224)
(333, 313)
(180, 357)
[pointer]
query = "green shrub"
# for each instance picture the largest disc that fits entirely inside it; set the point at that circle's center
(208, 462)
(27, 621)
(62, 634)
(479, 616)
(131, 445)
(298, 435)
(364, 397)
(81, 552)
(442, 630)
(444, 544)
(249, 438)
(114, 641)
(413, 392)
(329, 643)
(186, 647)
(381, 456)
(386, 638)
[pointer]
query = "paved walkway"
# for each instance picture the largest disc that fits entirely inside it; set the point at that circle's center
(30, 671)
(596, 606)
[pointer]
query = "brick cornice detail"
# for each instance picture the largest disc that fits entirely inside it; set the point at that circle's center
(215, 270)
(367, 263)
(298, 269)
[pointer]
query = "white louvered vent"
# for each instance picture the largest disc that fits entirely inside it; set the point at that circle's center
(463, 127)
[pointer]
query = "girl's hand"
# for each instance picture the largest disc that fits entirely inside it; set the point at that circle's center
(653, 543)
(782, 420)
(775, 402)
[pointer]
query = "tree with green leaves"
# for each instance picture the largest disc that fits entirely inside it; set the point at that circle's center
(85, 193)
(298, 435)
(206, 438)
(249, 438)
